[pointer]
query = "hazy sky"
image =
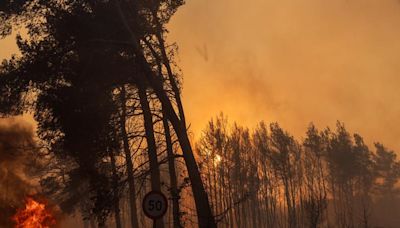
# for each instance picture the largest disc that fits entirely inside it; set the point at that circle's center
(291, 61)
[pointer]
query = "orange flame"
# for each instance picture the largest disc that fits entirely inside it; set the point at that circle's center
(35, 215)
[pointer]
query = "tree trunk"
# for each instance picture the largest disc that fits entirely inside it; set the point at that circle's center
(151, 146)
(85, 223)
(117, 215)
(92, 223)
(172, 175)
(204, 214)
(165, 60)
(129, 164)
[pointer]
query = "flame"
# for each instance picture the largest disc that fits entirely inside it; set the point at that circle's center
(35, 215)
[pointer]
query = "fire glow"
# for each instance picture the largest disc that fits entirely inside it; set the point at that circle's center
(34, 215)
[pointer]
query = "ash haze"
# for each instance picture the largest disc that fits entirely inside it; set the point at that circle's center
(290, 61)
(293, 62)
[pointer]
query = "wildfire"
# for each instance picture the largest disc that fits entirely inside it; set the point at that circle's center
(34, 215)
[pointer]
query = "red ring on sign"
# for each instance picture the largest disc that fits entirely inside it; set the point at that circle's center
(154, 192)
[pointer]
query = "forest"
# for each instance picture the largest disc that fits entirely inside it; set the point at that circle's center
(264, 177)
(105, 89)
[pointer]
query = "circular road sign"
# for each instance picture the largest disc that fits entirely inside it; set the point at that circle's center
(154, 204)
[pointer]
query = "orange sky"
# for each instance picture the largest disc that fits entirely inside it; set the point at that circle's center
(291, 62)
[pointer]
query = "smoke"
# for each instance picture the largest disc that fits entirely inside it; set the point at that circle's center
(17, 146)
(292, 62)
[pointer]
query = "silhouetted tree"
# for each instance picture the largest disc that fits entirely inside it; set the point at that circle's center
(73, 44)
(315, 183)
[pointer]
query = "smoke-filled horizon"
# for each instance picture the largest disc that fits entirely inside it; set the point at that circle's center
(293, 62)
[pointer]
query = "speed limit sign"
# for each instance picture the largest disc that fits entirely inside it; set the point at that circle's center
(154, 204)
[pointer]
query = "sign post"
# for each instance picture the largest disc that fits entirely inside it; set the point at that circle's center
(155, 205)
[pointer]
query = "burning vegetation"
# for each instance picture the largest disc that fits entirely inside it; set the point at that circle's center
(34, 215)
(16, 169)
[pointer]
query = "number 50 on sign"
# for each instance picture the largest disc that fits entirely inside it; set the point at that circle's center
(154, 204)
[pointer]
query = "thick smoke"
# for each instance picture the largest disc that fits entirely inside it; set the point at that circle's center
(17, 147)
(292, 62)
